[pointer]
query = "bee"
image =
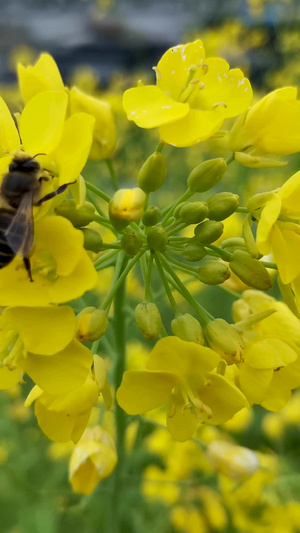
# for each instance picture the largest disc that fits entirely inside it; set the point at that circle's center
(20, 190)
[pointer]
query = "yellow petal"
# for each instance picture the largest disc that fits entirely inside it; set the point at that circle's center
(222, 397)
(44, 330)
(195, 127)
(269, 353)
(76, 401)
(254, 383)
(290, 196)
(174, 67)
(72, 152)
(180, 422)
(141, 391)
(286, 250)
(42, 121)
(182, 358)
(59, 426)
(268, 217)
(104, 133)
(228, 87)
(149, 107)
(61, 372)
(59, 237)
(42, 76)
(9, 136)
(9, 378)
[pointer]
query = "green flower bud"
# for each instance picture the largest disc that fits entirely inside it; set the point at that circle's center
(151, 216)
(131, 242)
(232, 244)
(222, 205)
(157, 238)
(193, 212)
(208, 231)
(206, 175)
(250, 271)
(187, 328)
(178, 209)
(213, 272)
(153, 173)
(92, 240)
(225, 339)
(78, 215)
(193, 251)
(91, 324)
(148, 320)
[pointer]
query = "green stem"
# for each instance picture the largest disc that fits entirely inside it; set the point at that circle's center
(148, 291)
(97, 191)
(112, 173)
(190, 268)
(115, 285)
(226, 256)
(111, 246)
(176, 229)
(120, 416)
(230, 159)
(242, 210)
(105, 257)
(160, 146)
(232, 293)
(166, 285)
(267, 264)
(204, 316)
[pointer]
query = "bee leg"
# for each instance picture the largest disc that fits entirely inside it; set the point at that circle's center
(52, 194)
(28, 267)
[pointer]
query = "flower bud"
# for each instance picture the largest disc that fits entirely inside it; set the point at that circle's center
(250, 271)
(178, 209)
(157, 238)
(193, 212)
(93, 458)
(151, 216)
(225, 340)
(153, 173)
(208, 231)
(78, 215)
(91, 324)
(131, 242)
(104, 133)
(148, 320)
(232, 244)
(222, 205)
(213, 272)
(126, 206)
(193, 251)
(234, 461)
(188, 328)
(92, 240)
(207, 175)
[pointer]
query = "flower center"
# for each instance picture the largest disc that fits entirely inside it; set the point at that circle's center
(44, 264)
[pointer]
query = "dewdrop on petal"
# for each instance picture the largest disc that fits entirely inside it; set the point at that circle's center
(234, 461)
(94, 458)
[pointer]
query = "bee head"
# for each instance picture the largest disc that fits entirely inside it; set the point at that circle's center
(24, 164)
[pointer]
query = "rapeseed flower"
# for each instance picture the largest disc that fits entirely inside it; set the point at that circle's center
(278, 229)
(60, 266)
(39, 341)
(192, 97)
(93, 458)
(272, 126)
(180, 373)
(44, 76)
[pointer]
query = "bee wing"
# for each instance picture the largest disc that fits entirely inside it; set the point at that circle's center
(19, 233)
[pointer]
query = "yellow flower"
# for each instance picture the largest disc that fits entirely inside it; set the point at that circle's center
(272, 126)
(44, 129)
(61, 268)
(38, 341)
(270, 367)
(45, 75)
(64, 417)
(93, 458)
(278, 229)
(232, 460)
(192, 97)
(180, 373)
